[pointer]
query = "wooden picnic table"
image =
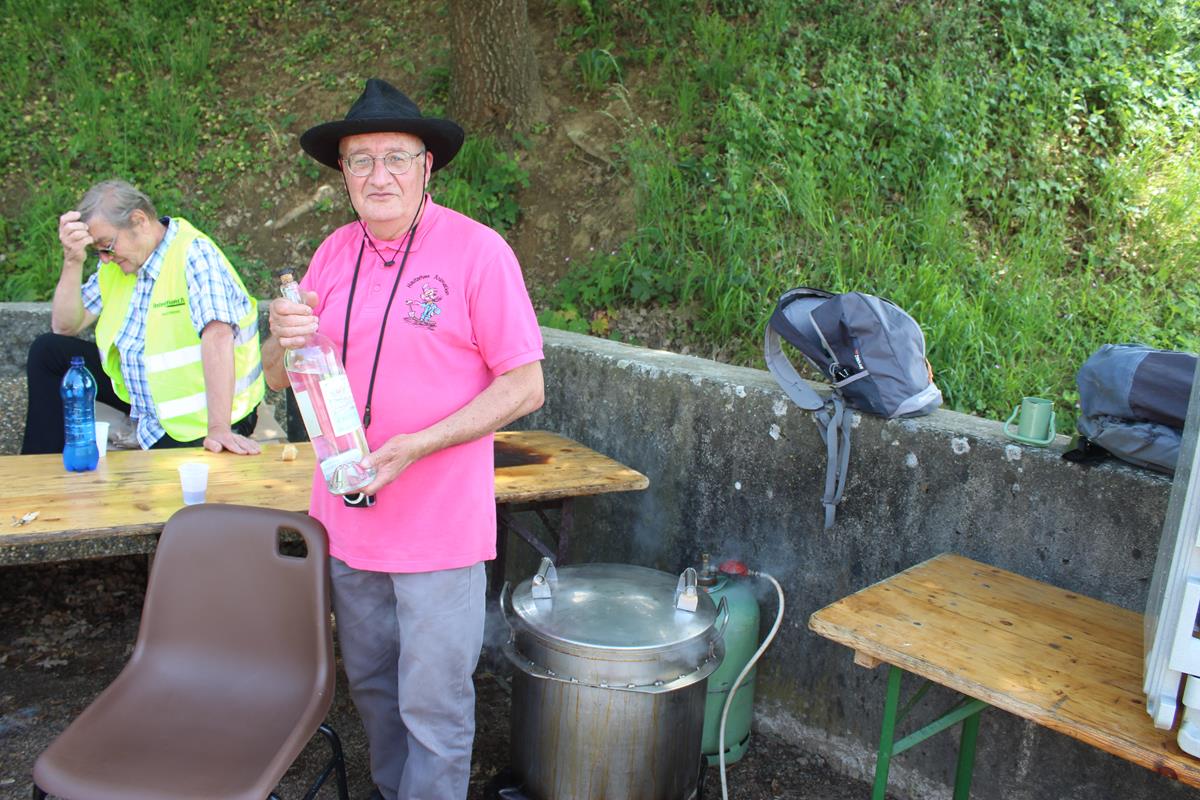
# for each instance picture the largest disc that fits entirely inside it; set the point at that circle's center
(121, 506)
(1068, 662)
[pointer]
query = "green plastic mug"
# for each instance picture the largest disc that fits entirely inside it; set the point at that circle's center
(1036, 425)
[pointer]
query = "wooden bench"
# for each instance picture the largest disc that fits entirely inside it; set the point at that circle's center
(121, 507)
(1068, 662)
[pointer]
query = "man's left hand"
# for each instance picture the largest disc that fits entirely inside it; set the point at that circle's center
(395, 456)
(218, 440)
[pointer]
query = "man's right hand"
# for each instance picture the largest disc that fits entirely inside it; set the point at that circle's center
(292, 322)
(75, 238)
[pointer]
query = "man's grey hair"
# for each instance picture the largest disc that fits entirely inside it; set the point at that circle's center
(115, 201)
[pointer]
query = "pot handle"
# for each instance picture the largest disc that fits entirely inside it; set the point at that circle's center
(686, 597)
(509, 650)
(545, 580)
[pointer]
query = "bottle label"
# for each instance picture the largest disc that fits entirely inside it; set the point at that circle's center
(335, 461)
(308, 414)
(339, 404)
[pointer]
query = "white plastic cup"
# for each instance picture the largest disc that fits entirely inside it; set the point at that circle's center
(193, 477)
(102, 438)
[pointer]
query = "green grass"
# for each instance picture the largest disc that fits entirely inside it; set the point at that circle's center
(74, 112)
(199, 104)
(1020, 176)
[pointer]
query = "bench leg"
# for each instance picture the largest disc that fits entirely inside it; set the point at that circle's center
(887, 737)
(966, 711)
(966, 757)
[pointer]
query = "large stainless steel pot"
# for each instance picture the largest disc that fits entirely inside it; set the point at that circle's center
(612, 663)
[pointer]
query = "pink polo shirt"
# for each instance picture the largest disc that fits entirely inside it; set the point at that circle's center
(461, 316)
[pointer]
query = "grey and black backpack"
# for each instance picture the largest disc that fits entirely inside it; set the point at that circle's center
(1133, 402)
(871, 352)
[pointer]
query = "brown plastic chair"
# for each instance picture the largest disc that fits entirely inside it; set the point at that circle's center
(232, 672)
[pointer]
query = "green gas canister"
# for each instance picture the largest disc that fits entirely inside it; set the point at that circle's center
(741, 640)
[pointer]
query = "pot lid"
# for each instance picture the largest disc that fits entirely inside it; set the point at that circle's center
(612, 606)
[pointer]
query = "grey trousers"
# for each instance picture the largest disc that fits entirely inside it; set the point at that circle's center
(410, 643)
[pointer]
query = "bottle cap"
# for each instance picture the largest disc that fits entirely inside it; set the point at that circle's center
(285, 275)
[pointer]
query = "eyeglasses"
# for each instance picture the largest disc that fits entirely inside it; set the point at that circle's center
(360, 165)
(106, 251)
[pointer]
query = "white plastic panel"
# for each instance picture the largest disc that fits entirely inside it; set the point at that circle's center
(1171, 647)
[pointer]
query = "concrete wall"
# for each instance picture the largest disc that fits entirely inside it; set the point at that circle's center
(735, 470)
(20, 324)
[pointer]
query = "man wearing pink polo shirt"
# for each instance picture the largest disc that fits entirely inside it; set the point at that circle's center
(442, 348)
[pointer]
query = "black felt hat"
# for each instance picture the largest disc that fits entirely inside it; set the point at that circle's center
(382, 108)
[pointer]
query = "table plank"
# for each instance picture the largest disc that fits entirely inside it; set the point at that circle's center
(134, 492)
(1065, 661)
(559, 468)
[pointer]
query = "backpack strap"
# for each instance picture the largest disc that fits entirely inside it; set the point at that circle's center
(785, 373)
(831, 417)
(835, 423)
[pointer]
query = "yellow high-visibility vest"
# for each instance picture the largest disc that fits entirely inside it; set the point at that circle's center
(172, 355)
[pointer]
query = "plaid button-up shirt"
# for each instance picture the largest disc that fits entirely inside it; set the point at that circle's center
(212, 296)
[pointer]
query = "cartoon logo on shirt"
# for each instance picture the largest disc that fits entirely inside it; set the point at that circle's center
(424, 309)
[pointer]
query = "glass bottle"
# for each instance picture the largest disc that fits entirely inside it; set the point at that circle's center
(78, 392)
(326, 405)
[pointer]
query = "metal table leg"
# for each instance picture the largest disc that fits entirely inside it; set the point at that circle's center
(883, 762)
(966, 757)
(965, 711)
(559, 535)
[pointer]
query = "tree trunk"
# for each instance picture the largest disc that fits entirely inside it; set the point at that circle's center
(495, 85)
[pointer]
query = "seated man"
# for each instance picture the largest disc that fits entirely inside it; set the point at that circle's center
(176, 330)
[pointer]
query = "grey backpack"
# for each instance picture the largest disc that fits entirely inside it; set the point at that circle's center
(873, 355)
(1133, 401)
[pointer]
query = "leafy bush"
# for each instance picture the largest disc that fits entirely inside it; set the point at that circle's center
(89, 95)
(482, 182)
(140, 90)
(1020, 176)
(597, 68)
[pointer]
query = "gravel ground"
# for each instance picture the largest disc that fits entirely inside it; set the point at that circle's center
(67, 629)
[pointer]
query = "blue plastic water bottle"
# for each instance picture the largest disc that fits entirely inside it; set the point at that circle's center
(78, 392)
